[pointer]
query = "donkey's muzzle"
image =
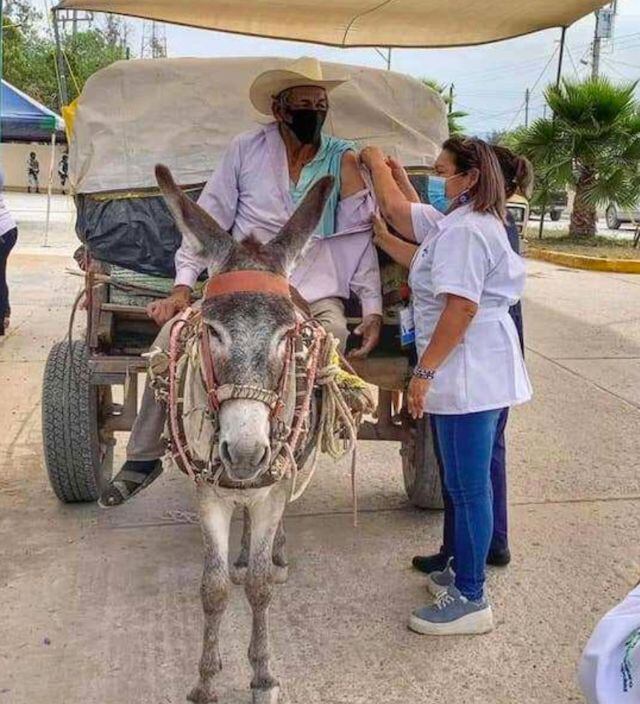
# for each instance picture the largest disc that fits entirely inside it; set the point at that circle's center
(245, 461)
(245, 448)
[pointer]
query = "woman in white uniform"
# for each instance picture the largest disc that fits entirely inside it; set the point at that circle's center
(463, 277)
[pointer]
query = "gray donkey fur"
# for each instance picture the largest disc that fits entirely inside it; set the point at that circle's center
(247, 340)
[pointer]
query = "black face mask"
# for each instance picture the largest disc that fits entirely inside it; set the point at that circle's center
(307, 124)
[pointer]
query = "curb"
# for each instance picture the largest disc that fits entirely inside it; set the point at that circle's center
(578, 261)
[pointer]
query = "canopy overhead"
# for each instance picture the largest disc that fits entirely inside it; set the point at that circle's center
(25, 119)
(402, 23)
(184, 112)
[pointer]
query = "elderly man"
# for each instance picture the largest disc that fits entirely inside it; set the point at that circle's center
(262, 177)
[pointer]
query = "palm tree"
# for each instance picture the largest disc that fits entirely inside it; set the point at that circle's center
(453, 116)
(591, 144)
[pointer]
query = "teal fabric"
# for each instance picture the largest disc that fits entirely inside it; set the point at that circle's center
(327, 161)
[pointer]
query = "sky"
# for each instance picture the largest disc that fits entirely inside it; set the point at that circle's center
(492, 91)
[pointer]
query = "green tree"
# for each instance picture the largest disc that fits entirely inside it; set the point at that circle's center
(592, 144)
(29, 55)
(453, 116)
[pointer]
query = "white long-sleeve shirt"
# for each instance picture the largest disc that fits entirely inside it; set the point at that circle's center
(249, 193)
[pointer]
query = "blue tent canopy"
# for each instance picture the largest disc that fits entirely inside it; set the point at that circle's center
(25, 119)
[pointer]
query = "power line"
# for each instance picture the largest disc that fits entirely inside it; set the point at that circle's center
(544, 70)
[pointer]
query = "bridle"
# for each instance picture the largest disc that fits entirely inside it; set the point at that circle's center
(290, 404)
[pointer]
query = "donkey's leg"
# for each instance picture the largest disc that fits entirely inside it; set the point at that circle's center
(280, 571)
(265, 518)
(215, 519)
(239, 569)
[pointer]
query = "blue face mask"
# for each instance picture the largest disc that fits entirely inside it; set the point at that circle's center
(437, 193)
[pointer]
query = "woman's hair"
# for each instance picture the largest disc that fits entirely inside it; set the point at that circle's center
(488, 193)
(517, 171)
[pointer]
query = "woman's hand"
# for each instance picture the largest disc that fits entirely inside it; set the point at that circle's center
(380, 231)
(416, 396)
(369, 155)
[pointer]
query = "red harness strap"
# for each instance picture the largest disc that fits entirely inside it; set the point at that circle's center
(247, 282)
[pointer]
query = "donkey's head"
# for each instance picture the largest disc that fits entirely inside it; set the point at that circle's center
(247, 332)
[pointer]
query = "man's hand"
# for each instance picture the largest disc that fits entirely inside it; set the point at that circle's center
(369, 329)
(162, 311)
(416, 396)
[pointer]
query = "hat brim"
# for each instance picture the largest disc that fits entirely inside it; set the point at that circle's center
(272, 83)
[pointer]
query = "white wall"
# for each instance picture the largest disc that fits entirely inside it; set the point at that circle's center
(14, 156)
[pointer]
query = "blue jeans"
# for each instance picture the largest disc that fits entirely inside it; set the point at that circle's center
(7, 242)
(466, 447)
(500, 537)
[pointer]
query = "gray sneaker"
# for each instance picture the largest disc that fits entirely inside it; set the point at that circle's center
(437, 582)
(452, 614)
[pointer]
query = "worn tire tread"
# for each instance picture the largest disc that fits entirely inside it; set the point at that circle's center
(68, 409)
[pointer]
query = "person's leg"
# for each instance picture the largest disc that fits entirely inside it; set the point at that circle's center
(461, 607)
(329, 312)
(466, 443)
(145, 447)
(439, 561)
(498, 553)
(7, 242)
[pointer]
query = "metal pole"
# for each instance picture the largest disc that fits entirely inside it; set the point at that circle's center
(563, 38)
(49, 187)
(389, 60)
(451, 93)
(62, 76)
(527, 96)
(595, 50)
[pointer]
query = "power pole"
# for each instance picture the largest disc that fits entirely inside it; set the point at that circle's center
(527, 97)
(62, 74)
(603, 32)
(451, 94)
(389, 59)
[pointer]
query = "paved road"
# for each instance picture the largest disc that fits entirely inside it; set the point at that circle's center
(102, 607)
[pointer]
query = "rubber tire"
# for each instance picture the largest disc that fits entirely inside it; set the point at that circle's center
(420, 467)
(79, 465)
(612, 220)
(555, 215)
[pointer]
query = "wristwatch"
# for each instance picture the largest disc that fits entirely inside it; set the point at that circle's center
(422, 373)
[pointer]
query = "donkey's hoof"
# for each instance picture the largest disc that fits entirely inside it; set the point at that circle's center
(279, 574)
(266, 696)
(238, 574)
(201, 695)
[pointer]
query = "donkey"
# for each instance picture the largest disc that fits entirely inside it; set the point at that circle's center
(247, 334)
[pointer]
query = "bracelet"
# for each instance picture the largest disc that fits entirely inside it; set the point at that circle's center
(422, 373)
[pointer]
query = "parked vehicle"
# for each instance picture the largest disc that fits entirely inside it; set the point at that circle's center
(131, 240)
(555, 206)
(519, 208)
(616, 215)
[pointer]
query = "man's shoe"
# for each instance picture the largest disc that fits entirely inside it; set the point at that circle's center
(130, 480)
(499, 558)
(430, 563)
(438, 582)
(452, 614)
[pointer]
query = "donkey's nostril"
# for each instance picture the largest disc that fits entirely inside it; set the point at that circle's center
(225, 455)
(244, 455)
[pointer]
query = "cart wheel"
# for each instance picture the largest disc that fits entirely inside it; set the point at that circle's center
(78, 456)
(420, 467)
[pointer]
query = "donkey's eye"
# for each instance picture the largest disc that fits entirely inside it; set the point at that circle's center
(214, 335)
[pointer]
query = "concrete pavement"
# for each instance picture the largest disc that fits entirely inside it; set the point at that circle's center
(102, 606)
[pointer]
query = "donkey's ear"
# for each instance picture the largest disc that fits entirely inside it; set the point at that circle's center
(293, 237)
(197, 227)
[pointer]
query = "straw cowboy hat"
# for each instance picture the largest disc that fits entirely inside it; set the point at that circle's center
(302, 72)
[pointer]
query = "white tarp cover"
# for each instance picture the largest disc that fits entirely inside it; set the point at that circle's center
(417, 23)
(184, 112)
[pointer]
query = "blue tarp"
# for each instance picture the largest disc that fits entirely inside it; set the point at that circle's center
(25, 119)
